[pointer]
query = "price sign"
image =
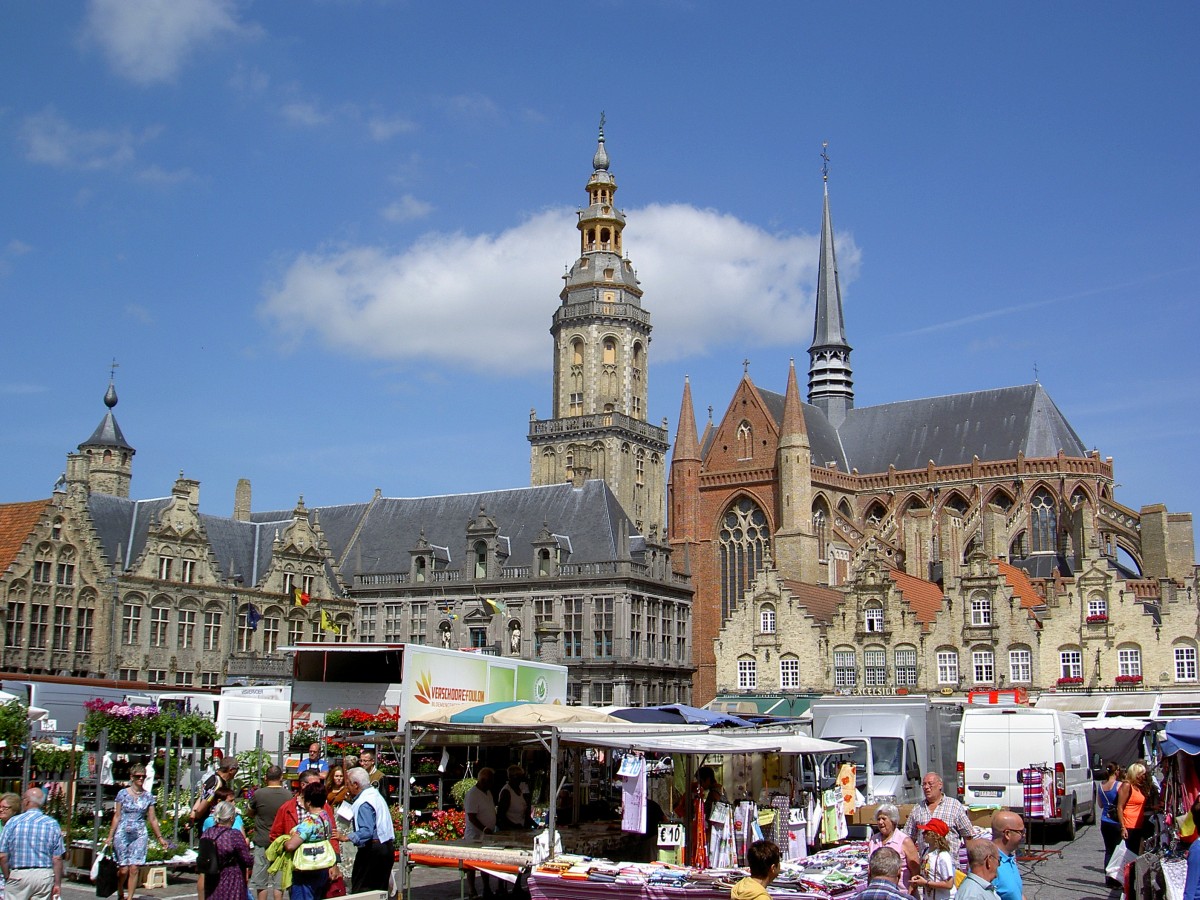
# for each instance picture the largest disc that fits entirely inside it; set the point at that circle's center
(670, 835)
(796, 816)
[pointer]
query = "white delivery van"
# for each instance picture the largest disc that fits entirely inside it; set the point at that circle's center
(995, 743)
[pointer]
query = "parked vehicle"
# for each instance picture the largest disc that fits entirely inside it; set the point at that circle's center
(63, 697)
(994, 744)
(242, 714)
(896, 740)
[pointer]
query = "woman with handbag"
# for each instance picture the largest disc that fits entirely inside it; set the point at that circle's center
(1136, 798)
(1110, 827)
(234, 858)
(310, 845)
(128, 834)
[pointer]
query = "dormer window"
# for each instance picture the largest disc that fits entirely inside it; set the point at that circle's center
(766, 619)
(481, 559)
(545, 565)
(419, 569)
(873, 619)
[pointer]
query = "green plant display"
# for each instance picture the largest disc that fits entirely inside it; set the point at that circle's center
(130, 724)
(459, 789)
(14, 727)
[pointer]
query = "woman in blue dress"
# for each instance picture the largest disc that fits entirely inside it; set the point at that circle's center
(128, 834)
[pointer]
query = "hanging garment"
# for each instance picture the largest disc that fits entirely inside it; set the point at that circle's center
(633, 798)
(846, 778)
(721, 853)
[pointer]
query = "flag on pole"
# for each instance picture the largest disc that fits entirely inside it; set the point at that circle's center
(253, 617)
(498, 606)
(299, 597)
(327, 624)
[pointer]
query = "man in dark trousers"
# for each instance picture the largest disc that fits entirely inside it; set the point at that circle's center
(263, 806)
(373, 835)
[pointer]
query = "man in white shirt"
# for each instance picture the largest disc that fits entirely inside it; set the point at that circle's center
(373, 835)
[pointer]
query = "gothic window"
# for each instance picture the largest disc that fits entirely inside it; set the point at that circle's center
(15, 636)
(1020, 665)
(875, 514)
(747, 674)
(1129, 662)
(1070, 662)
(1079, 497)
(39, 615)
(743, 542)
(610, 352)
(789, 673)
(295, 629)
(1019, 548)
(41, 571)
(981, 610)
(983, 662)
(873, 617)
(548, 466)
(639, 362)
(62, 628)
(1043, 522)
(306, 584)
(957, 503)
(245, 634)
(84, 621)
(1001, 499)
(844, 509)
(845, 668)
(766, 618)
(875, 667)
(947, 667)
(572, 634)
(1185, 663)
(289, 583)
(577, 353)
(66, 574)
(906, 666)
(745, 441)
(639, 476)
(185, 633)
(481, 559)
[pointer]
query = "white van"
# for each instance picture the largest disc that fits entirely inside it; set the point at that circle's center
(995, 743)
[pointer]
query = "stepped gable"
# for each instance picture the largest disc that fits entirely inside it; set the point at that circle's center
(923, 597)
(1021, 586)
(17, 521)
(951, 430)
(820, 601)
(589, 516)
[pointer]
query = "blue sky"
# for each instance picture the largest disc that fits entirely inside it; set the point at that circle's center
(324, 240)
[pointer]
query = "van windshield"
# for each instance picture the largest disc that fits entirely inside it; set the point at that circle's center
(885, 756)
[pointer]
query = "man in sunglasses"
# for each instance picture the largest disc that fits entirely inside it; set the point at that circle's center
(983, 858)
(1008, 831)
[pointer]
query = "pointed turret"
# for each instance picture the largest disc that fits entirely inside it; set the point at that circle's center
(796, 547)
(683, 486)
(109, 457)
(830, 378)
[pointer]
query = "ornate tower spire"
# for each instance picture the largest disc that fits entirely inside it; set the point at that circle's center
(108, 456)
(601, 352)
(830, 378)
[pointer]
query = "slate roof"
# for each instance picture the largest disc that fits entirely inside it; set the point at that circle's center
(376, 537)
(589, 516)
(17, 521)
(823, 440)
(950, 430)
(107, 434)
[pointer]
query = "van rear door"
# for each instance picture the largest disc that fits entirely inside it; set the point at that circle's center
(994, 746)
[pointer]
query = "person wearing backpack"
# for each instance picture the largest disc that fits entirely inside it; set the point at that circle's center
(224, 860)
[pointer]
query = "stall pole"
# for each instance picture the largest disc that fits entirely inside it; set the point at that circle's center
(405, 767)
(553, 805)
(97, 808)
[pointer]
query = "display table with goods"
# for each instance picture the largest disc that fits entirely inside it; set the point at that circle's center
(837, 872)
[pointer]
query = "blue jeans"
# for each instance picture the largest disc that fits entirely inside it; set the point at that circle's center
(309, 885)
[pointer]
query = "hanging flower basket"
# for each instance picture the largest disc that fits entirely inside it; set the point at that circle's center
(1097, 619)
(1067, 682)
(1129, 679)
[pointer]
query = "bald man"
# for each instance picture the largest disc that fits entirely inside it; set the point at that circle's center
(1008, 830)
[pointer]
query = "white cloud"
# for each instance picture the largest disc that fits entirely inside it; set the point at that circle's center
(382, 129)
(471, 106)
(17, 247)
(51, 140)
(302, 112)
(484, 302)
(406, 209)
(148, 41)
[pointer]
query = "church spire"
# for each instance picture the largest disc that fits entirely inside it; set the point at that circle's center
(830, 378)
(686, 445)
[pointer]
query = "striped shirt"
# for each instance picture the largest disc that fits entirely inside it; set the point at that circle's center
(31, 840)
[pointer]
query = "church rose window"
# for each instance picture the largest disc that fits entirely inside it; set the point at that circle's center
(743, 543)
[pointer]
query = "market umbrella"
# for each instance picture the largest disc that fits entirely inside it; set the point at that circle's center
(477, 713)
(427, 712)
(1182, 735)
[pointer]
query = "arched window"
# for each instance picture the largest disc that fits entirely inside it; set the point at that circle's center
(1097, 608)
(956, 502)
(1070, 665)
(1043, 522)
(745, 441)
(947, 666)
(873, 617)
(789, 672)
(610, 352)
(983, 665)
(747, 673)
(981, 610)
(481, 559)
(419, 569)
(875, 513)
(845, 667)
(1185, 662)
(577, 353)
(875, 667)
(766, 618)
(906, 666)
(544, 568)
(1129, 663)
(743, 541)
(1020, 665)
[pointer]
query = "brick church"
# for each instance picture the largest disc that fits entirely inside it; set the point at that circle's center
(943, 544)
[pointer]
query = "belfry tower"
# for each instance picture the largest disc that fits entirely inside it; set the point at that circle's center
(598, 428)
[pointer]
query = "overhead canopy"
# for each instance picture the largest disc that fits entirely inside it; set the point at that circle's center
(678, 713)
(701, 741)
(544, 713)
(1116, 740)
(1181, 736)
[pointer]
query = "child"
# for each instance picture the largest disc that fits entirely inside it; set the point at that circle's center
(936, 880)
(763, 859)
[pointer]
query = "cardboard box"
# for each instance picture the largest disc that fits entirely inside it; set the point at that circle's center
(981, 818)
(865, 815)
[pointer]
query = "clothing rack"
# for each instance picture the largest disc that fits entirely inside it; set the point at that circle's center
(1039, 803)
